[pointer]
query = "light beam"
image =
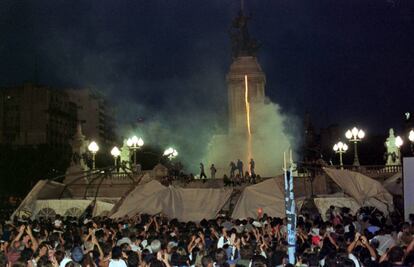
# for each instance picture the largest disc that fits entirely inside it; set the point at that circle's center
(249, 133)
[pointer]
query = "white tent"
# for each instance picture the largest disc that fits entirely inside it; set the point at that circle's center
(267, 195)
(183, 204)
(365, 190)
(394, 184)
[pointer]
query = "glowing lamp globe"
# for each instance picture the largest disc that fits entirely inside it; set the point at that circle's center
(348, 134)
(398, 141)
(361, 134)
(411, 136)
(115, 152)
(354, 132)
(345, 147)
(93, 147)
(335, 147)
(129, 142)
(140, 142)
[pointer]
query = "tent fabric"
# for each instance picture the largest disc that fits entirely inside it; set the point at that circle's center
(43, 189)
(394, 184)
(62, 206)
(183, 204)
(267, 195)
(365, 190)
(323, 204)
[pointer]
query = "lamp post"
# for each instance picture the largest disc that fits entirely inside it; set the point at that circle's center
(355, 135)
(411, 138)
(340, 148)
(115, 153)
(398, 143)
(93, 148)
(170, 153)
(135, 143)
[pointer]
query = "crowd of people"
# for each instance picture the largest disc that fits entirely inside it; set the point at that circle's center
(342, 239)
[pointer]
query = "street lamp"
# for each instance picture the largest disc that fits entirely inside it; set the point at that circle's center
(115, 153)
(170, 153)
(340, 148)
(93, 148)
(135, 143)
(398, 143)
(411, 138)
(355, 135)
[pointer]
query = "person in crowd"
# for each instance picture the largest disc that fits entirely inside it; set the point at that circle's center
(233, 169)
(240, 167)
(213, 171)
(157, 241)
(202, 172)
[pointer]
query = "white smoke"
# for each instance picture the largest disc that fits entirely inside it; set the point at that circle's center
(273, 133)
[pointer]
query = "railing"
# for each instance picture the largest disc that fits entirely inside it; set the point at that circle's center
(370, 170)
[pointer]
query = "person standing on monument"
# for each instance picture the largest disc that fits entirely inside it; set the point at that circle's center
(252, 173)
(232, 169)
(202, 173)
(213, 171)
(240, 167)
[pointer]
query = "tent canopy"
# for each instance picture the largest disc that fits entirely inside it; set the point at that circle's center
(365, 190)
(267, 195)
(183, 204)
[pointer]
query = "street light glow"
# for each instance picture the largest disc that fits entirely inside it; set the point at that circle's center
(170, 153)
(355, 135)
(340, 148)
(398, 141)
(115, 152)
(411, 136)
(140, 142)
(93, 147)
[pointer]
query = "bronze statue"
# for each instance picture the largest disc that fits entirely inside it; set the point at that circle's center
(242, 43)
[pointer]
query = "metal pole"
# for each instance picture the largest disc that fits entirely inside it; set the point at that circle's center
(290, 209)
(356, 160)
(93, 161)
(291, 217)
(340, 160)
(115, 158)
(135, 156)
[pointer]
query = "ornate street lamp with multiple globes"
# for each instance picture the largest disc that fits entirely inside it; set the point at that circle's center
(115, 153)
(340, 148)
(170, 153)
(135, 143)
(93, 148)
(355, 135)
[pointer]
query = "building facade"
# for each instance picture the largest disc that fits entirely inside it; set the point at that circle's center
(33, 115)
(95, 114)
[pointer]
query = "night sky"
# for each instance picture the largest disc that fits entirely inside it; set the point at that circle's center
(345, 61)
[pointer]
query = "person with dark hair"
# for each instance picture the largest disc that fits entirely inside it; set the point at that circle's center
(339, 260)
(394, 258)
(133, 259)
(207, 261)
(220, 257)
(116, 258)
(259, 261)
(202, 172)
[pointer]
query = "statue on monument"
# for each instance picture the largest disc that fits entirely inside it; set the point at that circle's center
(79, 146)
(393, 153)
(241, 41)
(125, 155)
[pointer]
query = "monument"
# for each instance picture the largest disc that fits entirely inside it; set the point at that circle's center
(392, 155)
(249, 117)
